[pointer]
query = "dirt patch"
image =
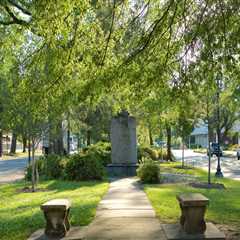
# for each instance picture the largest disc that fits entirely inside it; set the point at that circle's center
(206, 185)
(176, 178)
(231, 233)
(29, 190)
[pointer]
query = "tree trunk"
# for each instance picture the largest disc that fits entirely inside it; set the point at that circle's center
(33, 169)
(68, 139)
(169, 142)
(209, 155)
(150, 136)
(56, 141)
(88, 137)
(78, 141)
(1, 143)
(29, 151)
(13, 143)
(24, 141)
(182, 152)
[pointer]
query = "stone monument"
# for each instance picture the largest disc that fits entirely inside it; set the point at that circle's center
(124, 145)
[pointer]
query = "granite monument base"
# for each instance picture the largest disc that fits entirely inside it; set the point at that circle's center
(75, 233)
(122, 170)
(175, 232)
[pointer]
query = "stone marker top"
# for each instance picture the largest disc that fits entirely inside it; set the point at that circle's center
(57, 204)
(193, 199)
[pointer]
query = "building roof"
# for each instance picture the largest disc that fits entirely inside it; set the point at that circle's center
(200, 130)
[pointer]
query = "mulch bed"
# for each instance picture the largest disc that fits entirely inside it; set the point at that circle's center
(206, 185)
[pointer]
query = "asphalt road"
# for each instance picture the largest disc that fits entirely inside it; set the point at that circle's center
(230, 165)
(12, 170)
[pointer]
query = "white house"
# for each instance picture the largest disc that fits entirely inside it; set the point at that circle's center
(199, 135)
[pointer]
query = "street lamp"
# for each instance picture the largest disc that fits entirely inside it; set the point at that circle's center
(219, 171)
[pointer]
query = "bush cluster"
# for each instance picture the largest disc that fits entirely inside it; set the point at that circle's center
(40, 167)
(149, 171)
(233, 147)
(152, 153)
(49, 167)
(86, 165)
(102, 150)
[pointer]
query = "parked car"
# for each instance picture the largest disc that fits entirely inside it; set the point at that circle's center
(238, 154)
(215, 149)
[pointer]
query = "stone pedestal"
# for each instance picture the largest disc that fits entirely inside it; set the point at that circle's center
(56, 214)
(193, 207)
(121, 170)
(192, 223)
(124, 146)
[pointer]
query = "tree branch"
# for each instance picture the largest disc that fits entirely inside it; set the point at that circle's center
(17, 5)
(14, 20)
(147, 40)
(110, 33)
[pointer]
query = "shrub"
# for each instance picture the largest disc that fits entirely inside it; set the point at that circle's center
(147, 152)
(40, 167)
(153, 153)
(233, 147)
(149, 171)
(84, 167)
(54, 166)
(49, 167)
(101, 150)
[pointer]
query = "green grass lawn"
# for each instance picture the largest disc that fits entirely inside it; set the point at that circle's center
(200, 150)
(224, 205)
(20, 214)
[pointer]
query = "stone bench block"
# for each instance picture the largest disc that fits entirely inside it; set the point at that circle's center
(193, 207)
(56, 213)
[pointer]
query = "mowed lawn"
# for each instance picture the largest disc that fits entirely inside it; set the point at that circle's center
(224, 205)
(20, 213)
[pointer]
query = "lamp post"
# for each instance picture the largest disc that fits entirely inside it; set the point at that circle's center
(218, 171)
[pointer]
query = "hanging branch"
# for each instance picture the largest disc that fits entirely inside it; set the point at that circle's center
(110, 33)
(200, 21)
(14, 19)
(147, 39)
(19, 7)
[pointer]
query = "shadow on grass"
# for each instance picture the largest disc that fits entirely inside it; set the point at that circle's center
(70, 185)
(26, 223)
(20, 213)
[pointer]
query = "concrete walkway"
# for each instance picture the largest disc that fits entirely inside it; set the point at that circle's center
(125, 213)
